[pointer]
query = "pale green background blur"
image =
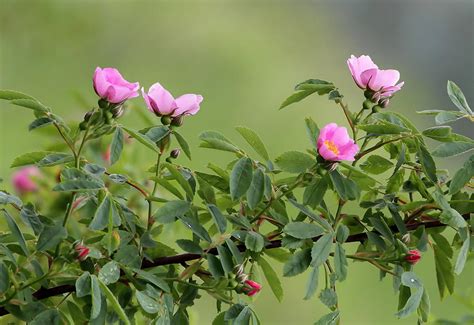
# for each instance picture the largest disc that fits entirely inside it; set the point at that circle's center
(244, 57)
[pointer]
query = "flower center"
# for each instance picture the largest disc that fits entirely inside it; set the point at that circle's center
(331, 146)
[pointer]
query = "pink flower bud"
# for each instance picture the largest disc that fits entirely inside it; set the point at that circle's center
(334, 143)
(112, 87)
(367, 75)
(24, 179)
(251, 288)
(161, 102)
(81, 251)
(413, 256)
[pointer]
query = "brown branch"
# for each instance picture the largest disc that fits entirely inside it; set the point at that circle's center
(44, 293)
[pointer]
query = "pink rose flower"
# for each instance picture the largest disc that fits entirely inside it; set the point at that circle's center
(162, 103)
(367, 75)
(413, 256)
(251, 288)
(334, 143)
(111, 86)
(24, 179)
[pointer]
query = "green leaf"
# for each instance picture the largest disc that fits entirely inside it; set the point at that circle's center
(424, 307)
(294, 162)
(444, 272)
(30, 158)
(323, 222)
(234, 250)
(462, 257)
(40, 122)
(31, 104)
(196, 227)
(256, 190)
(321, 86)
(254, 241)
(458, 99)
(447, 117)
(342, 233)
(49, 316)
(412, 304)
(183, 144)
(340, 262)
(240, 178)
(55, 159)
(272, 278)
(328, 297)
(215, 181)
(16, 232)
(329, 319)
(314, 193)
(321, 250)
(411, 280)
(440, 133)
(141, 138)
(6, 198)
(171, 210)
(215, 266)
(462, 176)
(244, 317)
(109, 273)
(297, 263)
(218, 217)
(83, 285)
(96, 297)
(114, 302)
(312, 283)
(427, 162)
(148, 304)
(302, 230)
(128, 255)
(395, 182)
(105, 215)
(169, 187)
(215, 140)
(4, 278)
(296, 97)
(80, 185)
(312, 131)
(450, 149)
(346, 188)
(453, 218)
(254, 141)
(383, 128)
(226, 259)
(153, 279)
(189, 246)
(50, 237)
(116, 146)
(180, 179)
(376, 165)
(12, 94)
(157, 133)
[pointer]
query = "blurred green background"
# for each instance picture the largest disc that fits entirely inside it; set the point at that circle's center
(244, 57)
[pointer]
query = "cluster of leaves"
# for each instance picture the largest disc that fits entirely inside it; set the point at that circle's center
(239, 217)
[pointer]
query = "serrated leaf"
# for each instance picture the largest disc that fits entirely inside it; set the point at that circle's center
(411, 305)
(109, 273)
(171, 210)
(462, 176)
(254, 241)
(181, 180)
(314, 193)
(340, 262)
(312, 283)
(96, 297)
(312, 130)
(31, 104)
(149, 305)
(254, 141)
(321, 250)
(256, 189)
(462, 257)
(196, 227)
(240, 178)
(16, 232)
(297, 263)
(183, 144)
(50, 237)
(294, 162)
(40, 122)
(451, 149)
(116, 146)
(303, 230)
(218, 218)
(114, 302)
(376, 164)
(141, 138)
(83, 285)
(457, 97)
(215, 140)
(189, 246)
(272, 278)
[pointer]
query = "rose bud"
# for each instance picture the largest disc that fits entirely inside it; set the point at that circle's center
(334, 144)
(112, 87)
(413, 256)
(81, 251)
(368, 76)
(175, 153)
(24, 179)
(251, 288)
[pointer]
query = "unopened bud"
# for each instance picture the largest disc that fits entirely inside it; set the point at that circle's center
(166, 120)
(117, 111)
(175, 153)
(375, 97)
(384, 102)
(88, 115)
(103, 103)
(367, 104)
(368, 94)
(177, 121)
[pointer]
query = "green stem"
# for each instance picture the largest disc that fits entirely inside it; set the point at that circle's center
(155, 186)
(347, 113)
(378, 145)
